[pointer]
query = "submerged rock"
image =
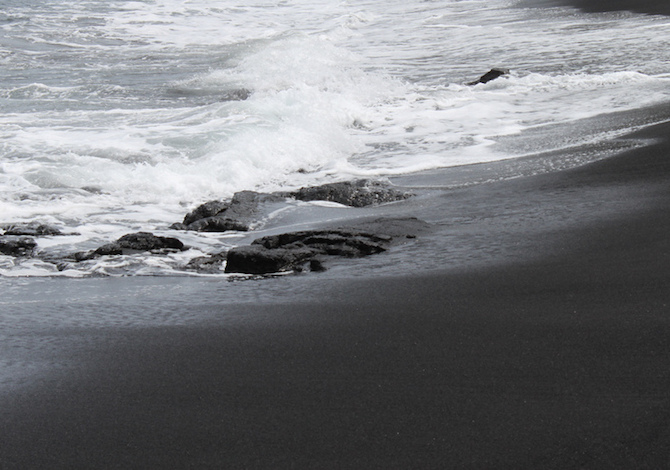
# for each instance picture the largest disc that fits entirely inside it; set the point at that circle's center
(17, 246)
(359, 193)
(490, 75)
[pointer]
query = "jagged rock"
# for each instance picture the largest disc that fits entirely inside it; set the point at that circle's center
(132, 243)
(359, 193)
(219, 216)
(31, 230)
(490, 75)
(17, 246)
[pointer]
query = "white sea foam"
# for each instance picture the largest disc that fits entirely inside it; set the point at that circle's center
(122, 116)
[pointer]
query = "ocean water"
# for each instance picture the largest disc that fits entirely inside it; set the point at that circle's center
(122, 116)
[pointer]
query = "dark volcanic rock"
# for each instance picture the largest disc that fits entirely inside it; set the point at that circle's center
(217, 224)
(208, 209)
(247, 207)
(490, 75)
(132, 243)
(256, 259)
(145, 241)
(245, 204)
(290, 251)
(17, 246)
(329, 242)
(309, 248)
(219, 216)
(359, 193)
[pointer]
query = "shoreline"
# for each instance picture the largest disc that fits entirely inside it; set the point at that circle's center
(272, 218)
(537, 337)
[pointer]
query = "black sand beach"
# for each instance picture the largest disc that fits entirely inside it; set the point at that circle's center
(528, 328)
(652, 7)
(557, 357)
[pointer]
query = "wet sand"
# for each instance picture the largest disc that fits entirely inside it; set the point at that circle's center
(556, 359)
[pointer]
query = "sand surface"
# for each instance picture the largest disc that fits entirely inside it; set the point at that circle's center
(544, 344)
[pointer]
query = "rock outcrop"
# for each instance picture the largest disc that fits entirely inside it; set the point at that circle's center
(256, 259)
(208, 209)
(293, 251)
(297, 251)
(247, 207)
(239, 213)
(490, 75)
